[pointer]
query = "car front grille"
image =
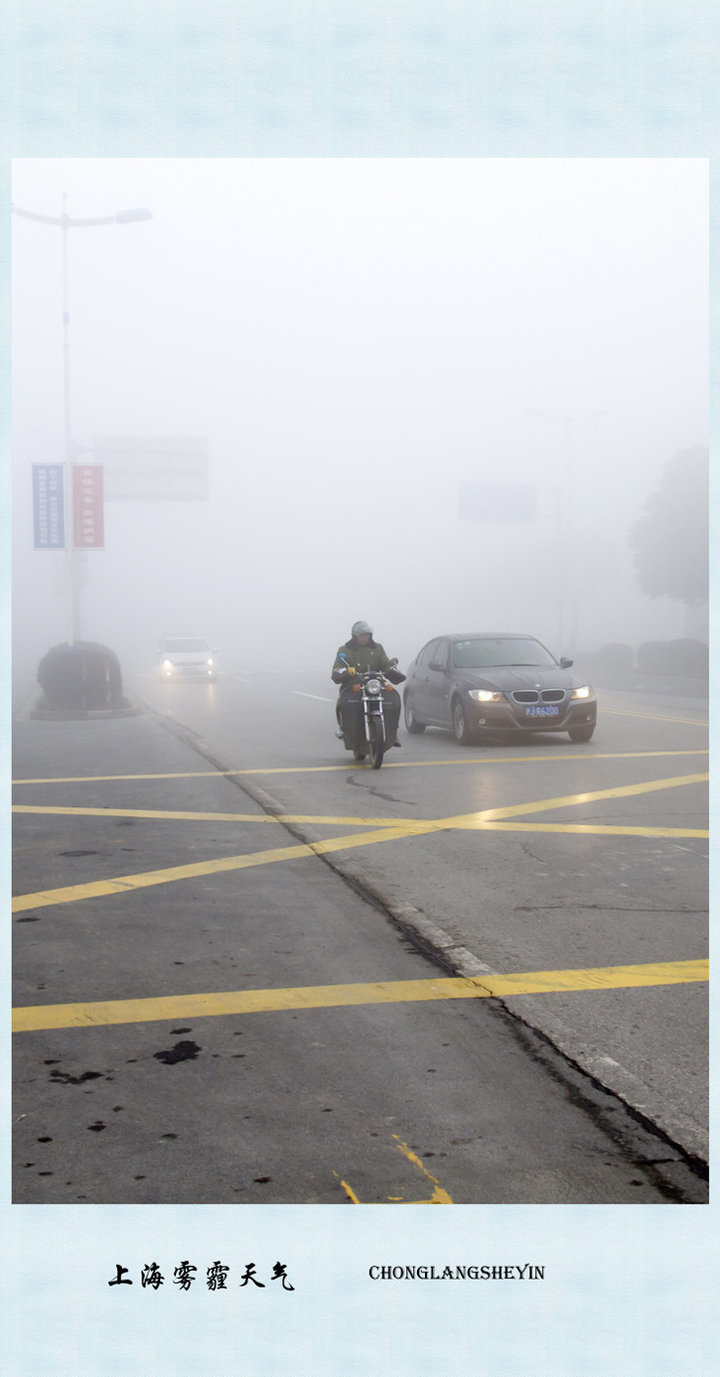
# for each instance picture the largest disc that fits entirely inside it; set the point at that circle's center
(533, 696)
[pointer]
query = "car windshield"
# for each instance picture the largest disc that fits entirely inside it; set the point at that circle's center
(179, 646)
(487, 651)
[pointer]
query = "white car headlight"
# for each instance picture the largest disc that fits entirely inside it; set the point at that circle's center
(584, 692)
(485, 696)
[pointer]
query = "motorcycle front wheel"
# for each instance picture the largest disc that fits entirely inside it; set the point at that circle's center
(377, 741)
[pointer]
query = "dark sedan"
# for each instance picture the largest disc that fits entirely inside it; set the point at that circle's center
(486, 683)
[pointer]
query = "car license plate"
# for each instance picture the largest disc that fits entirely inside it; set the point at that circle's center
(542, 710)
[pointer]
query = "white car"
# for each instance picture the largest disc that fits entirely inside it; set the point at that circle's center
(185, 656)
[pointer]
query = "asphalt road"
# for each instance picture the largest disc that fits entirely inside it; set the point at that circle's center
(234, 1004)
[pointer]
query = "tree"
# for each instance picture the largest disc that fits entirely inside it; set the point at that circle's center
(670, 541)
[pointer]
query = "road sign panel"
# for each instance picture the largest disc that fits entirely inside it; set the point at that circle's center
(48, 507)
(88, 518)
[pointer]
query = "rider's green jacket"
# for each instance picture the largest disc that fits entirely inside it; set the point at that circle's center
(360, 657)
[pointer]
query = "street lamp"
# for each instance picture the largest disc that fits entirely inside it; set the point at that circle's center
(66, 223)
(566, 517)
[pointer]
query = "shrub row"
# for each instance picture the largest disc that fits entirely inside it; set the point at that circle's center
(684, 658)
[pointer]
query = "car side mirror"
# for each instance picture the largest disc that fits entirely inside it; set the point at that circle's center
(565, 663)
(435, 664)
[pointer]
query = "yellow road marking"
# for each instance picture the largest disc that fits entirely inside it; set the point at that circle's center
(350, 765)
(165, 815)
(439, 1196)
(599, 829)
(656, 717)
(389, 832)
(34, 1018)
(587, 829)
(547, 805)
(348, 1190)
(124, 884)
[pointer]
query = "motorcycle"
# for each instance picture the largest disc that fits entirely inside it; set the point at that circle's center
(369, 721)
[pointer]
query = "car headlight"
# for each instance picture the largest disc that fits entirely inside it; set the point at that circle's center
(584, 692)
(485, 696)
(210, 661)
(373, 685)
(167, 664)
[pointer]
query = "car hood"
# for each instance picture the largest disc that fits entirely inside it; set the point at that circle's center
(507, 678)
(186, 657)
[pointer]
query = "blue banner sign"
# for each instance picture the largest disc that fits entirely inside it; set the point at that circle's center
(48, 507)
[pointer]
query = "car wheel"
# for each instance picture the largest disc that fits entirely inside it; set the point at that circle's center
(581, 733)
(461, 726)
(411, 722)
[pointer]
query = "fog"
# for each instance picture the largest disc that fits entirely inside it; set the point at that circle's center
(356, 341)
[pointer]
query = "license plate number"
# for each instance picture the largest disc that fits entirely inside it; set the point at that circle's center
(542, 710)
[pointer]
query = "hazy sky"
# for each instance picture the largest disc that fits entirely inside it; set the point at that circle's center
(355, 338)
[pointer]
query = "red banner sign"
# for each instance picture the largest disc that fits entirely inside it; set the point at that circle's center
(88, 523)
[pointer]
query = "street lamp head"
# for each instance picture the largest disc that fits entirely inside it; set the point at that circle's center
(127, 217)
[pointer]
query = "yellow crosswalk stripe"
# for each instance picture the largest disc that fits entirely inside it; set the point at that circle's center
(537, 759)
(472, 823)
(35, 1018)
(388, 831)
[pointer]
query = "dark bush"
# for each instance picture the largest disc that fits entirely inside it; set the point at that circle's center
(81, 676)
(686, 659)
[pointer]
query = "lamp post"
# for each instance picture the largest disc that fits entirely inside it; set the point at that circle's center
(66, 222)
(566, 522)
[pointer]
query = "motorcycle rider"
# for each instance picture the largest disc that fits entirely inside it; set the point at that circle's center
(358, 655)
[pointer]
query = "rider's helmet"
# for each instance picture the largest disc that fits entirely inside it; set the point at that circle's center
(361, 629)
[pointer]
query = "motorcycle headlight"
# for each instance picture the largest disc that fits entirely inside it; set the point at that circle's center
(373, 686)
(485, 696)
(584, 692)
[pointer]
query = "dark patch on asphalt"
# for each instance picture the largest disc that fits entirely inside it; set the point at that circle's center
(78, 853)
(64, 1077)
(182, 1051)
(31, 918)
(97, 1127)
